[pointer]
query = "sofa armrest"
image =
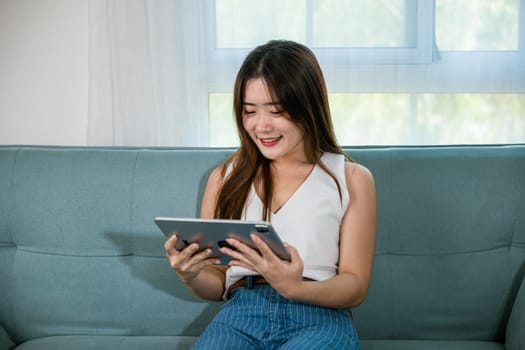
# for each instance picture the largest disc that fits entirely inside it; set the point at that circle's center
(514, 339)
(5, 342)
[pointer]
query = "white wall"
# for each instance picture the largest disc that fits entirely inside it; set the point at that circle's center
(43, 72)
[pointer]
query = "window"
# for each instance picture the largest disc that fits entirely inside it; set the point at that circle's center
(477, 25)
(341, 31)
(389, 80)
(333, 23)
(476, 118)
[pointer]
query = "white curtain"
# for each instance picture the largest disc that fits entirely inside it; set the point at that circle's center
(146, 74)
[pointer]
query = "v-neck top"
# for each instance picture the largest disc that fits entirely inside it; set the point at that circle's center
(309, 220)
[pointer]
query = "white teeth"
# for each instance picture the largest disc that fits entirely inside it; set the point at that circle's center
(270, 139)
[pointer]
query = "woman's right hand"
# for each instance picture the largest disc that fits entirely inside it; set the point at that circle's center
(187, 263)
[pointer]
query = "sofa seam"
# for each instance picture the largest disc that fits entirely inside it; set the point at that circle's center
(11, 236)
(390, 244)
(132, 201)
(476, 251)
(32, 251)
(514, 155)
(132, 229)
(10, 198)
(514, 217)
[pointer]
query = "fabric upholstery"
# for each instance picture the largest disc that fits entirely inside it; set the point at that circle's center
(516, 327)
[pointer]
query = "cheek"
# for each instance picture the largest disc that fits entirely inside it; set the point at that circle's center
(247, 124)
(296, 134)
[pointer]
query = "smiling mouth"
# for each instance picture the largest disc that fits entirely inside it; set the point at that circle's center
(270, 141)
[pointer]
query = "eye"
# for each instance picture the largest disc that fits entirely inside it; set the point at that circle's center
(248, 112)
(277, 113)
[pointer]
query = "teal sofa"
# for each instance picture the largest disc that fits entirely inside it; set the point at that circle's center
(82, 263)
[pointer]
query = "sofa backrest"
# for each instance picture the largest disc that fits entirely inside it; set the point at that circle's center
(80, 253)
(451, 241)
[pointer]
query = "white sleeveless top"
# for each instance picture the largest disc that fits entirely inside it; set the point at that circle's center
(310, 220)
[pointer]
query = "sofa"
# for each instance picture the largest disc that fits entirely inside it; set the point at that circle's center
(82, 264)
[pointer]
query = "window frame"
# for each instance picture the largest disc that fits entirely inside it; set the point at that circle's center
(421, 52)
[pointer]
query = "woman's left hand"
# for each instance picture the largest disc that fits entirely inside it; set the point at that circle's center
(280, 274)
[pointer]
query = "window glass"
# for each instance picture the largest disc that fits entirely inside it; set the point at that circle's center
(371, 119)
(477, 25)
(471, 118)
(342, 23)
(261, 21)
(359, 119)
(389, 119)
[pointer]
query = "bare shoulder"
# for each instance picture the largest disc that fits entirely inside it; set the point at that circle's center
(358, 177)
(216, 177)
(353, 169)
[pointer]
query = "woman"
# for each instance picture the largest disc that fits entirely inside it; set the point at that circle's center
(289, 170)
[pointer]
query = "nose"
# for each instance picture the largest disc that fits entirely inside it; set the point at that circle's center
(263, 122)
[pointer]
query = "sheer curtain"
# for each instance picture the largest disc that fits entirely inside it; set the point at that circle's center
(147, 77)
(398, 71)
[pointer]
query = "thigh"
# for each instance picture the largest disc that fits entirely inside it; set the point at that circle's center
(219, 336)
(316, 327)
(234, 327)
(314, 340)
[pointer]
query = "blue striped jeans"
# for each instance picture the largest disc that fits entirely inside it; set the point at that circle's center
(260, 318)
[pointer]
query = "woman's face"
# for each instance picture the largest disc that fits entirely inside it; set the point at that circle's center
(270, 128)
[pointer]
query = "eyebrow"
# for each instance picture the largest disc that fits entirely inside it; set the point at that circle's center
(264, 104)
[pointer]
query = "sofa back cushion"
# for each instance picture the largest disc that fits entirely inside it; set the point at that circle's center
(81, 253)
(450, 244)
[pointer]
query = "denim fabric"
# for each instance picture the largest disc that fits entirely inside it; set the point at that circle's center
(260, 318)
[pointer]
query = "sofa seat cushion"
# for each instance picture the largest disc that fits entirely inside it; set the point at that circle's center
(429, 345)
(97, 342)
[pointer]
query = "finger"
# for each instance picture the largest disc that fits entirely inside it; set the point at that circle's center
(199, 261)
(296, 262)
(204, 256)
(170, 246)
(240, 257)
(193, 254)
(184, 253)
(264, 249)
(207, 262)
(234, 254)
(171, 242)
(244, 250)
(242, 264)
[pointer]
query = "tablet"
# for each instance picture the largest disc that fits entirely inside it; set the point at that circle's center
(212, 233)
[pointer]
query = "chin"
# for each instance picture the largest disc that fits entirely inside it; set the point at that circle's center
(270, 155)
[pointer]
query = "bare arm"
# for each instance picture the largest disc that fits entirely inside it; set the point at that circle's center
(198, 272)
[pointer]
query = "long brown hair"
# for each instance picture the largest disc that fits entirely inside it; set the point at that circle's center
(295, 80)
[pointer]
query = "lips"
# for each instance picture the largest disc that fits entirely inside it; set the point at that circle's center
(270, 141)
